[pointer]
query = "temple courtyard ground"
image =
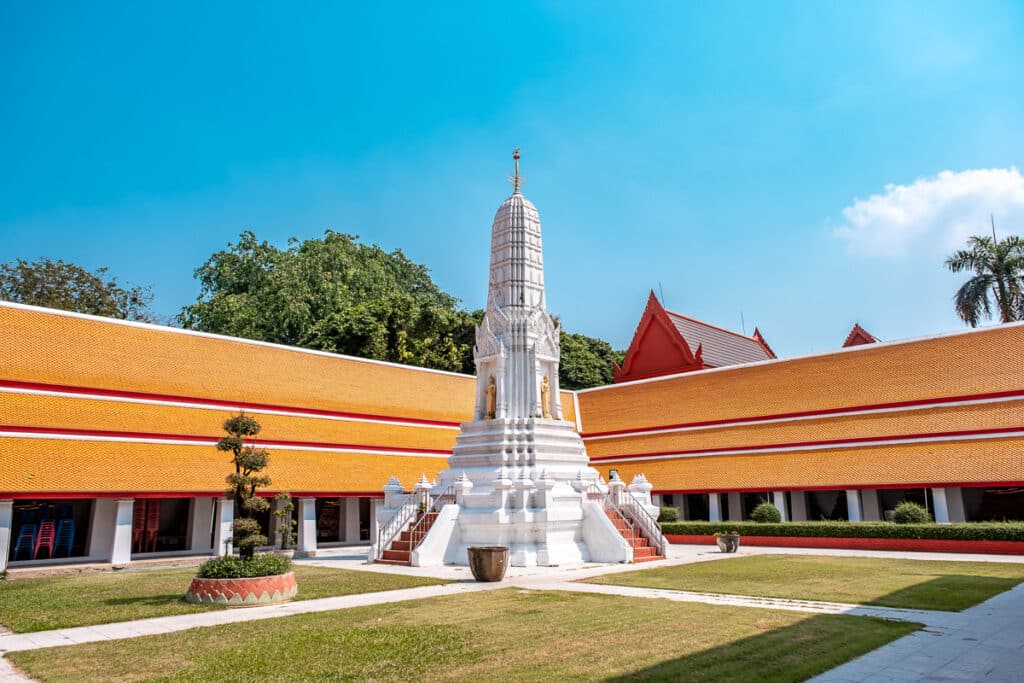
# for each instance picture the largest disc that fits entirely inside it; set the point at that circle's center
(775, 614)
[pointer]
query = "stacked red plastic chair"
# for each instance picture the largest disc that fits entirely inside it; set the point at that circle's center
(45, 539)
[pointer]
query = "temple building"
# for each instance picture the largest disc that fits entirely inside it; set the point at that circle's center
(668, 343)
(108, 428)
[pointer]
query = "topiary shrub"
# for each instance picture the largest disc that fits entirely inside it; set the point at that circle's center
(230, 567)
(248, 461)
(910, 513)
(766, 513)
(668, 514)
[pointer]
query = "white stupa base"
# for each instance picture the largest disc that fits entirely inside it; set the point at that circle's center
(521, 484)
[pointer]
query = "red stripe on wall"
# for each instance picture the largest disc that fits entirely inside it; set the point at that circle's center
(85, 392)
(151, 436)
(825, 443)
(814, 413)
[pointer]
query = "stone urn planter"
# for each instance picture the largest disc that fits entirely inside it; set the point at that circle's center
(261, 590)
(728, 543)
(488, 563)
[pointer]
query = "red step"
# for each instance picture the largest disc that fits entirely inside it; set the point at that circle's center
(398, 555)
(396, 562)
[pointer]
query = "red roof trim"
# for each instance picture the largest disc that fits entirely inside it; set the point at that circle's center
(825, 412)
(215, 403)
(823, 443)
(858, 335)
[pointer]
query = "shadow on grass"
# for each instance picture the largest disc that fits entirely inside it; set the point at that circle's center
(148, 600)
(794, 653)
(951, 593)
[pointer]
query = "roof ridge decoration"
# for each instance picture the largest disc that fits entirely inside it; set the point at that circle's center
(674, 355)
(666, 342)
(858, 335)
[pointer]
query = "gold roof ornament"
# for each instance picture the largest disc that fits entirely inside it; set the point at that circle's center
(515, 179)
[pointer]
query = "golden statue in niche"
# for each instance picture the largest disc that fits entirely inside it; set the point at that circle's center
(545, 397)
(492, 399)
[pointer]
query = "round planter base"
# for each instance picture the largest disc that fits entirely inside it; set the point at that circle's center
(261, 590)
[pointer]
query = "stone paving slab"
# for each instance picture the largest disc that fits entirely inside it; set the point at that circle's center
(982, 643)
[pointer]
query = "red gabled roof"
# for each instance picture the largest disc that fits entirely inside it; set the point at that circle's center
(858, 335)
(666, 342)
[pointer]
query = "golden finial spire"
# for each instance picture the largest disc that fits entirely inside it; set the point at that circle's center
(515, 178)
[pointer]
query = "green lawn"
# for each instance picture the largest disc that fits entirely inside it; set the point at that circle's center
(918, 584)
(101, 598)
(508, 634)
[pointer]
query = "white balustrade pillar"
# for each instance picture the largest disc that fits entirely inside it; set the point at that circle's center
(223, 518)
(714, 507)
(6, 531)
(121, 548)
(779, 501)
(306, 546)
(352, 520)
(853, 511)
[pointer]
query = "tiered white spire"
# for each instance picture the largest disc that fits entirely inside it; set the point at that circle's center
(517, 342)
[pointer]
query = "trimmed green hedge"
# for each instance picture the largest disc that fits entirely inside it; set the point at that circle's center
(974, 531)
(231, 567)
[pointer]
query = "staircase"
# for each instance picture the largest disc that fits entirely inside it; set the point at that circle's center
(400, 550)
(642, 549)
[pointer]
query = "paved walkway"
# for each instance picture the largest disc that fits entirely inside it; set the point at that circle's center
(983, 643)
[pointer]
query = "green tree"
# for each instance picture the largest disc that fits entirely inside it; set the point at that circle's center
(332, 294)
(998, 267)
(56, 284)
(248, 462)
(585, 361)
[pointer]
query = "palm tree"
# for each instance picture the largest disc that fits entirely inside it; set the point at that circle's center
(998, 267)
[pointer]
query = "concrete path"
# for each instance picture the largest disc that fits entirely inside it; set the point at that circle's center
(985, 642)
(982, 643)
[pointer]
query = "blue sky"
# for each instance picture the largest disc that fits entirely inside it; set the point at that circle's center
(806, 165)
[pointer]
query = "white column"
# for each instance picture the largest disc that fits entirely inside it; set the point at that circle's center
(681, 506)
(6, 524)
(798, 503)
(779, 501)
(224, 517)
(940, 505)
(870, 505)
(714, 508)
(101, 529)
(121, 548)
(955, 505)
(352, 520)
(374, 504)
(735, 507)
(853, 512)
(307, 528)
(202, 524)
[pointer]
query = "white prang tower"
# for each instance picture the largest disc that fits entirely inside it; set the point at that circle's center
(519, 472)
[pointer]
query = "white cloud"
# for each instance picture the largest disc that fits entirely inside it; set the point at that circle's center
(935, 213)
